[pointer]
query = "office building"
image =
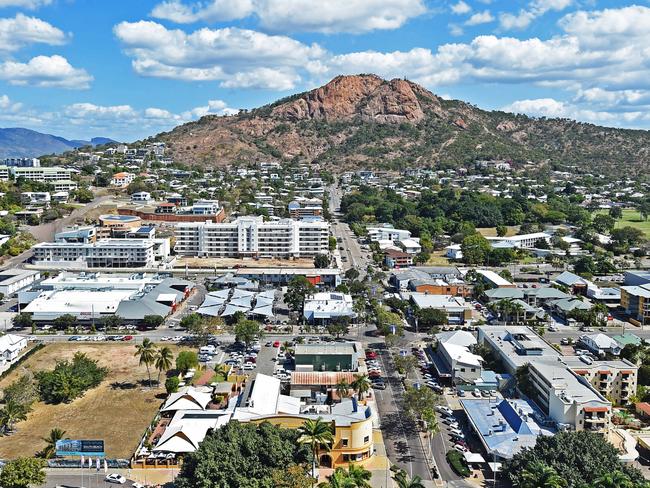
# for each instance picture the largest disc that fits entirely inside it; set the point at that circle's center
(253, 237)
(336, 356)
(323, 308)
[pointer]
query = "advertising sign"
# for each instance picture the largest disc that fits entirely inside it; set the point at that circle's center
(70, 447)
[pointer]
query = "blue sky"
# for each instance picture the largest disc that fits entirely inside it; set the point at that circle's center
(130, 68)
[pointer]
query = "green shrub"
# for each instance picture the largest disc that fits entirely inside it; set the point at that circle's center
(171, 384)
(457, 462)
(69, 380)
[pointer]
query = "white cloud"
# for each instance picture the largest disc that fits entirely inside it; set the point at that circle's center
(235, 57)
(480, 18)
(22, 30)
(551, 108)
(214, 11)
(535, 9)
(6, 105)
(45, 71)
(455, 30)
(28, 4)
(298, 15)
(461, 8)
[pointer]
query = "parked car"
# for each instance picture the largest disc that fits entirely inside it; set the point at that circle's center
(476, 392)
(379, 385)
(115, 478)
(444, 409)
(460, 447)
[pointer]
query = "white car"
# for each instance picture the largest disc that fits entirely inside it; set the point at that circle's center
(115, 478)
(460, 447)
(249, 366)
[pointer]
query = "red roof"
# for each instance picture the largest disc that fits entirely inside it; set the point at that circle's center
(166, 204)
(581, 371)
(604, 371)
(643, 407)
(596, 409)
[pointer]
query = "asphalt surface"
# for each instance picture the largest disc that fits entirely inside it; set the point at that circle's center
(72, 478)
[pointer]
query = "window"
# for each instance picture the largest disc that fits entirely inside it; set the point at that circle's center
(346, 458)
(462, 370)
(366, 439)
(344, 442)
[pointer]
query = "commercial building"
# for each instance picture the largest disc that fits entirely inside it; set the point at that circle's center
(457, 309)
(42, 174)
(522, 241)
(104, 253)
(387, 232)
(253, 237)
(92, 297)
(111, 225)
(397, 259)
(615, 379)
(494, 280)
(322, 308)
(308, 207)
(14, 280)
(22, 162)
(454, 358)
(337, 356)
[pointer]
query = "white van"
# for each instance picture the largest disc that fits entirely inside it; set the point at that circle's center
(207, 349)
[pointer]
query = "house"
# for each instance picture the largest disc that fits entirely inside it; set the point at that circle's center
(410, 246)
(141, 196)
(397, 259)
(600, 344)
(575, 283)
(122, 179)
(454, 252)
(10, 347)
(564, 306)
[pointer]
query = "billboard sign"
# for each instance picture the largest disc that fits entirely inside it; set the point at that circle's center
(70, 447)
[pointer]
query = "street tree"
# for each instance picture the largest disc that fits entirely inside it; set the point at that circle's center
(405, 364)
(297, 289)
(338, 327)
(248, 331)
(321, 261)
(186, 360)
(153, 321)
(317, 434)
(22, 473)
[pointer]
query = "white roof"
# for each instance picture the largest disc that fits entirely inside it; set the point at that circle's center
(457, 337)
(602, 341)
(462, 354)
(187, 398)
(11, 342)
(187, 429)
(78, 301)
(493, 277)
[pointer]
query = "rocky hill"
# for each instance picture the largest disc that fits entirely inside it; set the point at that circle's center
(365, 120)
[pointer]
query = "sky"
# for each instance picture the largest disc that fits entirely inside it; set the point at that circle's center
(128, 69)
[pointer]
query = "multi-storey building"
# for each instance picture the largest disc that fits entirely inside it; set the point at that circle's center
(23, 162)
(636, 302)
(44, 174)
(104, 253)
(253, 237)
(616, 379)
(122, 179)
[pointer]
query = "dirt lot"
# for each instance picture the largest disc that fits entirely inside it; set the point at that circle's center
(117, 414)
(242, 263)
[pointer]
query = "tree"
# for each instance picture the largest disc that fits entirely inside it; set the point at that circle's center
(430, 318)
(317, 434)
(152, 321)
(163, 360)
(65, 321)
(405, 364)
(538, 475)
(297, 289)
(502, 230)
(580, 458)
(186, 360)
(603, 223)
(339, 326)
(403, 481)
(291, 477)
(70, 379)
(321, 261)
(171, 384)
(112, 322)
(340, 478)
(615, 479)
(84, 195)
(419, 405)
(359, 475)
(11, 413)
(146, 353)
(361, 385)
(476, 249)
(352, 274)
(22, 321)
(332, 243)
(202, 327)
(248, 331)
(616, 213)
(23, 391)
(343, 389)
(22, 472)
(53, 437)
(245, 455)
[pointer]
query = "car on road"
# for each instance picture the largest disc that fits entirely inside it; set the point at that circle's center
(276, 344)
(379, 385)
(127, 338)
(460, 447)
(115, 478)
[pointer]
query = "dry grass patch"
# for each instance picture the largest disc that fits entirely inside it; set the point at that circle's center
(119, 415)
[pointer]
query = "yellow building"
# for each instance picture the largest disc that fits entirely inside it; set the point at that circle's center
(636, 302)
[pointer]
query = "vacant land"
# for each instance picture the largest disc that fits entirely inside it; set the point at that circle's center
(221, 263)
(117, 411)
(492, 231)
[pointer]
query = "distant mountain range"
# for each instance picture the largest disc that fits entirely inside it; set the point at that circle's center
(364, 121)
(25, 143)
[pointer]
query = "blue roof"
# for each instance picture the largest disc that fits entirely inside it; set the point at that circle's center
(505, 426)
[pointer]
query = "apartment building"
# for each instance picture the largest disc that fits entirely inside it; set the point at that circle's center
(44, 174)
(308, 207)
(387, 232)
(122, 179)
(23, 162)
(616, 379)
(636, 302)
(104, 253)
(253, 237)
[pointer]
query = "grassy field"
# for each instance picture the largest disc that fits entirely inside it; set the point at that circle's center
(117, 411)
(492, 231)
(632, 218)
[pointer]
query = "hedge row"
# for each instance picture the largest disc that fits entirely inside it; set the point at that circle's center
(457, 462)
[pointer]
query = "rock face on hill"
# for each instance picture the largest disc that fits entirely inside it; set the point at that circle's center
(364, 120)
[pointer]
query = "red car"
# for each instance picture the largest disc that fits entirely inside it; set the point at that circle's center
(374, 374)
(371, 355)
(127, 338)
(276, 344)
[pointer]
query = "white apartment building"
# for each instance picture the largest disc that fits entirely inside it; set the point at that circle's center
(43, 174)
(104, 253)
(253, 237)
(23, 162)
(387, 233)
(122, 179)
(205, 207)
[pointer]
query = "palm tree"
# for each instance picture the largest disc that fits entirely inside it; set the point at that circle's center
(163, 360)
(359, 475)
(340, 478)
(343, 389)
(517, 308)
(50, 443)
(539, 475)
(615, 479)
(403, 481)
(147, 354)
(361, 385)
(11, 413)
(318, 434)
